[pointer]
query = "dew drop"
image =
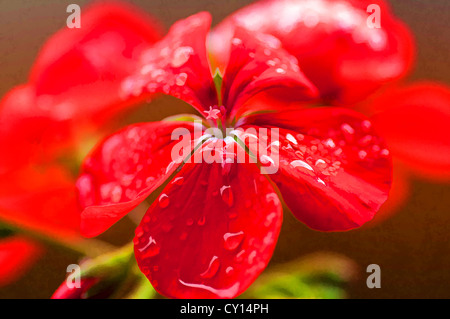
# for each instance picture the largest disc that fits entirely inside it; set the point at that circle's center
(233, 240)
(181, 56)
(181, 79)
(236, 41)
(201, 221)
(384, 153)
(164, 201)
(347, 129)
(330, 143)
(251, 257)
(213, 267)
(320, 163)
(300, 163)
(362, 155)
(227, 195)
(178, 181)
(240, 256)
(281, 71)
(291, 139)
(366, 125)
(151, 249)
(116, 194)
(229, 271)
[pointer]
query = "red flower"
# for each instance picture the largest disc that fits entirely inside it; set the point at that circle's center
(214, 227)
(348, 61)
(337, 50)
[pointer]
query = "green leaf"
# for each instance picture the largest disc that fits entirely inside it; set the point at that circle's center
(319, 276)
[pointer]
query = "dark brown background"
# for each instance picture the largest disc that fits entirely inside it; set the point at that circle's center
(412, 247)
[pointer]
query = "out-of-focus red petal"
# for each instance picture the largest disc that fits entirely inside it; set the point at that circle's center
(25, 131)
(258, 63)
(66, 292)
(42, 199)
(177, 65)
(17, 255)
(334, 171)
(124, 169)
(211, 233)
(398, 195)
(79, 72)
(337, 50)
(414, 121)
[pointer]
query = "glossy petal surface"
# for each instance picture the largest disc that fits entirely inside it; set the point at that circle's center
(334, 171)
(211, 233)
(258, 63)
(177, 65)
(337, 50)
(123, 170)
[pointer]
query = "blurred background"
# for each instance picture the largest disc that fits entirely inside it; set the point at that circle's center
(412, 247)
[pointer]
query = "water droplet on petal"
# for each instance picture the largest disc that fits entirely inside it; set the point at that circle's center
(384, 153)
(348, 131)
(213, 267)
(181, 56)
(233, 240)
(178, 181)
(236, 41)
(201, 221)
(227, 195)
(362, 155)
(116, 194)
(251, 257)
(181, 79)
(164, 201)
(151, 249)
(229, 271)
(281, 71)
(240, 256)
(291, 139)
(366, 125)
(300, 163)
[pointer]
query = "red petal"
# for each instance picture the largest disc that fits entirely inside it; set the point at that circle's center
(334, 171)
(256, 64)
(177, 65)
(42, 199)
(211, 235)
(17, 255)
(415, 124)
(23, 128)
(79, 71)
(337, 51)
(66, 292)
(398, 195)
(123, 170)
